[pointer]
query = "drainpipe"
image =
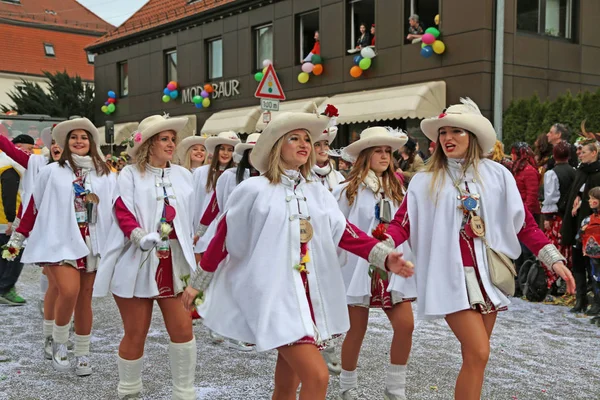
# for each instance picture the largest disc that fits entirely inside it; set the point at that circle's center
(499, 68)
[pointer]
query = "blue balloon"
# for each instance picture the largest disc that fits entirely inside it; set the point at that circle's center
(167, 92)
(175, 93)
(199, 105)
(427, 51)
(357, 59)
(112, 95)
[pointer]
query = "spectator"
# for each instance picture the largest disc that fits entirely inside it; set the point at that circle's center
(577, 209)
(344, 167)
(590, 237)
(410, 162)
(415, 30)
(373, 35)
(526, 175)
(431, 149)
(365, 38)
(557, 133)
(498, 155)
(316, 50)
(24, 142)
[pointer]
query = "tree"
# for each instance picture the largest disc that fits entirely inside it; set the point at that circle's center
(66, 96)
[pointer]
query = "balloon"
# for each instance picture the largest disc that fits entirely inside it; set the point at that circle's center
(171, 86)
(167, 91)
(112, 94)
(434, 31)
(308, 67)
(318, 69)
(303, 77)
(355, 71)
(206, 103)
(426, 51)
(438, 47)
(437, 19)
(365, 63)
(198, 105)
(173, 83)
(357, 59)
(111, 100)
(258, 76)
(367, 52)
(423, 45)
(197, 99)
(106, 103)
(104, 109)
(316, 59)
(174, 94)
(209, 88)
(111, 108)
(204, 94)
(166, 98)
(266, 63)
(428, 38)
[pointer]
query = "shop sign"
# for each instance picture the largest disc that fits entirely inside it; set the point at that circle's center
(220, 90)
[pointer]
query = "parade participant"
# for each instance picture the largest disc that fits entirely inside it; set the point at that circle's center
(323, 170)
(288, 297)
(471, 208)
(369, 198)
(205, 182)
(150, 255)
(73, 196)
(191, 152)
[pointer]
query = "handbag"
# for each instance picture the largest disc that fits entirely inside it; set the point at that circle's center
(502, 270)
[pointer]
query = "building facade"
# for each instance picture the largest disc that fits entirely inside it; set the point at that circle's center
(550, 47)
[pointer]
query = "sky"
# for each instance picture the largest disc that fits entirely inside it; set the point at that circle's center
(114, 12)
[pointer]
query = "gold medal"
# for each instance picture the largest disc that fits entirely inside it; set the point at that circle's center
(92, 198)
(306, 231)
(477, 225)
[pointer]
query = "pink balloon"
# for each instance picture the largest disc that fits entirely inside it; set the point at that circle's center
(307, 67)
(171, 87)
(428, 38)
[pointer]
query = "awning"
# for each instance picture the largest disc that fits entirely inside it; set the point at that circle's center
(304, 105)
(189, 129)
(240, 120)
(122, 131)
(422, 100)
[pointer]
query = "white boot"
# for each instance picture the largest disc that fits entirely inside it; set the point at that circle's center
(130, 378)
(182, 357)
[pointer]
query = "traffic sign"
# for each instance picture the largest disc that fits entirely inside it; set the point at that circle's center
(267, 117)
(269, 105)
(269, 87)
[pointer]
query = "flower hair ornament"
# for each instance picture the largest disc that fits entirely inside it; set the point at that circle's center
(397, 132)
(135, 137)
(332, 113)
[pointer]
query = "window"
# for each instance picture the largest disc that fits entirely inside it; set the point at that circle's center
(426, 10)
(546, 17)
(307, 33)
(360, 12)
(171, 65)
(49, 49)
(91, 57)
(215, 59)
(263, 45)
(123, 79)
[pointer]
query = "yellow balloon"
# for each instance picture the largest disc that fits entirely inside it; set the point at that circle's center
(438, 47)
(437, 19)
(303, 77)
(265, 70)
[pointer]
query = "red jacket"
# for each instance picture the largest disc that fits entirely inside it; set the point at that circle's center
(528, 182)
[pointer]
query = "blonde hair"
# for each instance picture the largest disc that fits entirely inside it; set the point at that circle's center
(391, 185)
(275, 167)
(437, 164)
(497, 153)
(142, 157)
(187, 160)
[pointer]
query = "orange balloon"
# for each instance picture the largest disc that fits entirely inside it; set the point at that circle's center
(318, 69)
(208, 88)
(356, 71)
(173, 83)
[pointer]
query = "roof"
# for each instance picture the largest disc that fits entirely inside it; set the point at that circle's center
(23, 51)
(156, 13)
(65, 13)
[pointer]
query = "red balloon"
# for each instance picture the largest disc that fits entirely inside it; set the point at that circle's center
(111, 100)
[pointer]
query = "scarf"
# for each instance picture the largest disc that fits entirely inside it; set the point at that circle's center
(373, 182)
(327, 173)
(84, 162)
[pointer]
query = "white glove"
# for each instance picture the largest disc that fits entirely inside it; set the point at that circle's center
(149, 241)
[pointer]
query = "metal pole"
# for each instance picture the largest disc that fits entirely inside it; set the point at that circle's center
(499, 68)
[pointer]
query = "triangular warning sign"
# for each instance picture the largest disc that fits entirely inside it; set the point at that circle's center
(269, 87)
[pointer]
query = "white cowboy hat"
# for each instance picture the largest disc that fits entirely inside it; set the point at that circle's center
(151, 126)
(240, 148)
(62, 130)
(228, 137)
(328, 134)
(466, 116)
(46, 136)
(186, 144)
(280, 125)
(376, 136)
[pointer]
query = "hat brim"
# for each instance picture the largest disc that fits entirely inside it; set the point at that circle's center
(240, 148)
(276, 129)
(188, 143)
(354, 149)
(168, 124)
(478, 125)
(213, 141)
(329, 136)
(61, 131)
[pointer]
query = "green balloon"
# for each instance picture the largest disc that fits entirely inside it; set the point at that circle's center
(365, 63)
(166, 98)
(104, 109)
(316, 59)
(197, 99)
(111, 108)
(434, 31)
(258, 76)
(423, 45)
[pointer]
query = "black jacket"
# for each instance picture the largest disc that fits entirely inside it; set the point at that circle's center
(10, 187)
(588, 174)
